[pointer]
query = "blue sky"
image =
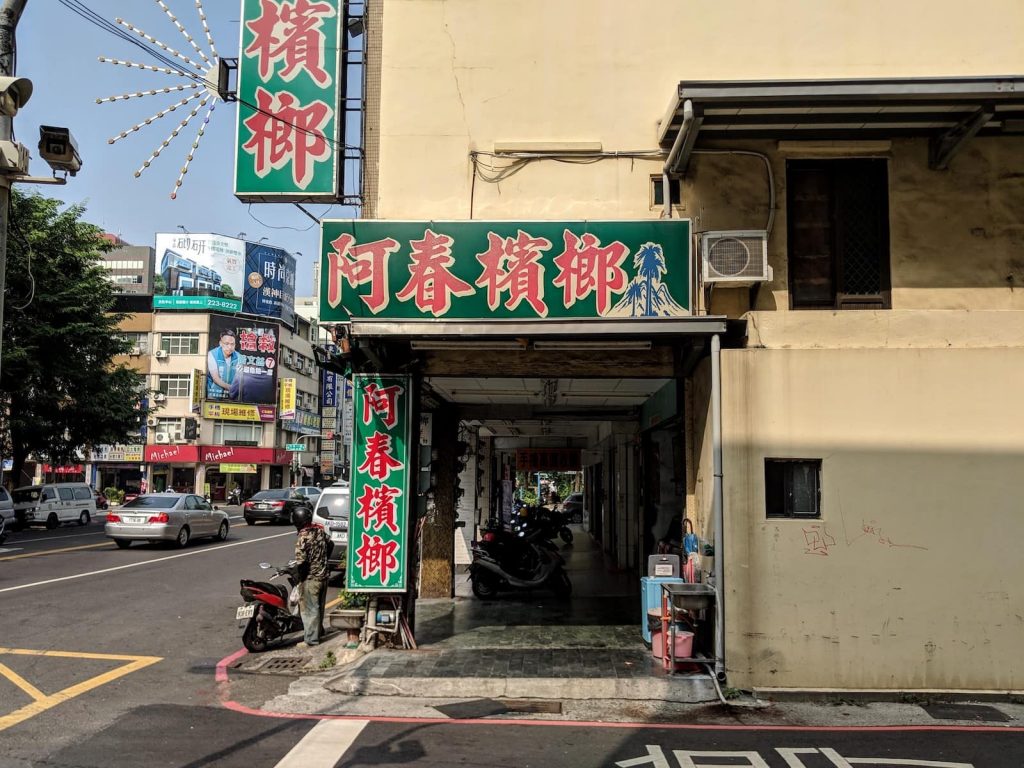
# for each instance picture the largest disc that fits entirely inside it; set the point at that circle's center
(58, 51)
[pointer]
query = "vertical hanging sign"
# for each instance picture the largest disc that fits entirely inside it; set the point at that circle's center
(378, 524)
(288, 95)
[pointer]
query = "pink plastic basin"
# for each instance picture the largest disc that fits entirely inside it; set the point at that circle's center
(683, 649)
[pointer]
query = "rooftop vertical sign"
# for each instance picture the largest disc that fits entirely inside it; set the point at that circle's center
(288, 96)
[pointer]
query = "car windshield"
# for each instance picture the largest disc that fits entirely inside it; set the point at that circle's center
(152, 502)
(333, 505)
(279, 493)
(27, 494)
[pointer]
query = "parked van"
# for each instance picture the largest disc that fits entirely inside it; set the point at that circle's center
(331, 512)
(54, 503)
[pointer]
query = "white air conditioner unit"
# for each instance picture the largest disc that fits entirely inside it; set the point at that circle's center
(160, 354)
(162, 438)
(160, 397)
(135, 351)
(735, 258)
(152, 421)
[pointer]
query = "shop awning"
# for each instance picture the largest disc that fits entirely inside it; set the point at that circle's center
(948, 111)
(566, 328)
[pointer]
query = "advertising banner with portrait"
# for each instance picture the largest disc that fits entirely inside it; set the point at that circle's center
(241, 366)
(269, 282)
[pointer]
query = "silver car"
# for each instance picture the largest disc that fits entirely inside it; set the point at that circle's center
(177, 517)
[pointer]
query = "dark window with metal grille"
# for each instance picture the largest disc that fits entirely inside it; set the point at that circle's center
(838, 217)
(792, 487)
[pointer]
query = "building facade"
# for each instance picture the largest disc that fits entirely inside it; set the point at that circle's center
(866, 376)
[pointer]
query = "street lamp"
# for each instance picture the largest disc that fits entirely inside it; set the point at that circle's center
(182, 228)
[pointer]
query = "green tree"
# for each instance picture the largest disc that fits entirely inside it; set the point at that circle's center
(60, 391)
(159, 284)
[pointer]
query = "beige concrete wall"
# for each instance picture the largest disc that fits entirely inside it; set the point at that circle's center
(457, 76)
(912, 577)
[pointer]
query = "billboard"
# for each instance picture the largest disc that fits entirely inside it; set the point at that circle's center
(269, 282)
(287, 130)
(241, 366)
(509, 270)
(198, 272)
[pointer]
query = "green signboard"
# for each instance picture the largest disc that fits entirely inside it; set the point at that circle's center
(526, 270)
(296, 447)
(288, 95)
(197, 302)
(379, 518)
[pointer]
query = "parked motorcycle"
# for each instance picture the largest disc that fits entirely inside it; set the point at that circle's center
(269, 608)
(3, 531)
(235, 497)
(553, 522)
(521, 558)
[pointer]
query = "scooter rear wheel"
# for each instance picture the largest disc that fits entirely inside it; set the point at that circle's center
(251, 639)
(485, 586)
(561, 585)
(566, 534)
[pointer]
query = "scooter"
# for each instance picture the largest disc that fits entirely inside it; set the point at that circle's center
(235, 497)
(520, 559)
(271, 609)
(3, 531)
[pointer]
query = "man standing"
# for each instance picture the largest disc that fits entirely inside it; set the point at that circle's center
(311, 553)
(222, 368)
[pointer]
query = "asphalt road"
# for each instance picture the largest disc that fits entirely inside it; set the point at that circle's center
(108, 659)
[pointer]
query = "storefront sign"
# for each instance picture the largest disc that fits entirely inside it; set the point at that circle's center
(329, 390)
(305, 423)
(172, 454)
(238, 469)
(199, 271)
(378, 525)
(243, 454)
(131, 454)
(67, 469)
(529, 270)
(547, 459)
(198, 388)
(241, 366)
(230, 412)
(296, 447)
(288, 95)
(286, 406)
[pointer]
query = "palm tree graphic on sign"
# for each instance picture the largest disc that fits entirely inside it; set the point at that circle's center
(647, 295)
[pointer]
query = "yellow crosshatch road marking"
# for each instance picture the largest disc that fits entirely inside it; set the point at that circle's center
(54, 551)
(43, 701)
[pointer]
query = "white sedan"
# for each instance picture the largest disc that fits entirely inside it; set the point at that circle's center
(177, 517)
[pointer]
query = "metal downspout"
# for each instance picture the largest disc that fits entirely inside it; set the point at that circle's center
(718, 504)
(673, 155)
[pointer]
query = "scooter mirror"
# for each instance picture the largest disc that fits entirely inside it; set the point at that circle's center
(265, 566)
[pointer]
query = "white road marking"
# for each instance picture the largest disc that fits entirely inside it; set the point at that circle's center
(145, 562)
(48, 539)
(10, 549)
(324, 745)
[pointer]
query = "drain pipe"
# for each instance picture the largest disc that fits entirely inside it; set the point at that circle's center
(718, 503)
(673, 155)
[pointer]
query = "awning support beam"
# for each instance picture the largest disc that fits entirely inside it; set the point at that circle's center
(942, 149)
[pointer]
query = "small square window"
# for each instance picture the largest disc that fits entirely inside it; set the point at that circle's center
(658, 192)
(792, 488)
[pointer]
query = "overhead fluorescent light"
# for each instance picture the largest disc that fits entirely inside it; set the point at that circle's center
(469, 344)
(602, 345)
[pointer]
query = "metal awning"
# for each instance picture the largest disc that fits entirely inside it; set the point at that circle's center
(948, 111)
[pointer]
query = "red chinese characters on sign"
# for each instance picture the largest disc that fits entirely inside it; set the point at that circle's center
(284, 132)
(431, 284)
(513, 265)
(380, 460)
(381, 401)
(360, 264)
(584, 267)
(377, 508)
(290, 33)
(375, 555)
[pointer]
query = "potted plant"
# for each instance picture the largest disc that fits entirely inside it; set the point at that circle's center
(350, 613)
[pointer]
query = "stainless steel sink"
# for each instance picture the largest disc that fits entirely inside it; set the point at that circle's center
(691, 597)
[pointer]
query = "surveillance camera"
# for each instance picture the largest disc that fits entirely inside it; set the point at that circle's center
(59, 150)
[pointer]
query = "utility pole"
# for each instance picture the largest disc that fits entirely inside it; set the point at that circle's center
(10, 15)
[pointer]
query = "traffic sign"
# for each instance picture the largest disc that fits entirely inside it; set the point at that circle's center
(295, 447)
